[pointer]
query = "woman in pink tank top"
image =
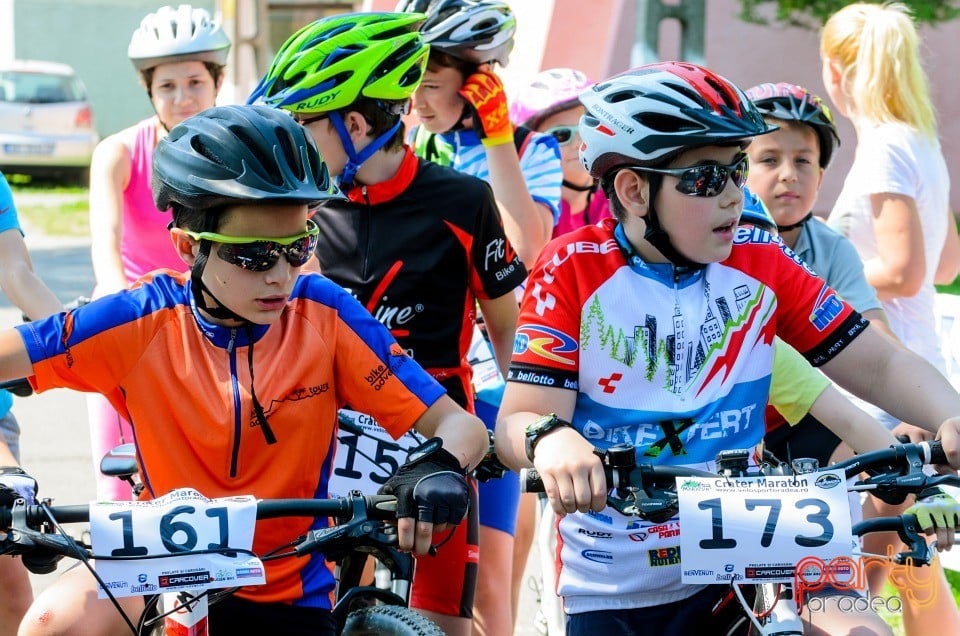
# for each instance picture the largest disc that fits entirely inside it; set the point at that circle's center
(179, 54)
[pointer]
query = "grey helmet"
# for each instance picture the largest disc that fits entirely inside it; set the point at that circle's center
(178, 35)
(478, 31)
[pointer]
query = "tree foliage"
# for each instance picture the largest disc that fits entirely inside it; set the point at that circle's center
(812, 14)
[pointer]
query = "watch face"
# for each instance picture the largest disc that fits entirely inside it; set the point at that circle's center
(540, 423)
(424, 449)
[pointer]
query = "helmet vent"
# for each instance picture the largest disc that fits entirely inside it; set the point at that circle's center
(729, 99)
(204, 151)
(622, 96)
(255, 148)
(341, 53)
(664, 123)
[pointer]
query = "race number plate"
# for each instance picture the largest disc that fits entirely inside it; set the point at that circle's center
(755, 529)
(145, 537)
(366, 455)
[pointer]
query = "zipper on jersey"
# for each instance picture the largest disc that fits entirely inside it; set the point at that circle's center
(235, 385)
(363, 237)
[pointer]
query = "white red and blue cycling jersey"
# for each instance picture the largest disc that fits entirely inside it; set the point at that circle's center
(676, 363)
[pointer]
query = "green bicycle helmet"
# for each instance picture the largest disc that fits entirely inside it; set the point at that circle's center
(329, 64)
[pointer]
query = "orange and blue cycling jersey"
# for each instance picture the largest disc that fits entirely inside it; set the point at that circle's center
(184, 384)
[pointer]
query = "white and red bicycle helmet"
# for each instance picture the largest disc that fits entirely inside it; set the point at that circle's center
(551, 91)
(650, 114)
(178, 35)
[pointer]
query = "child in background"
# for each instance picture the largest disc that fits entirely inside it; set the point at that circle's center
(464, 122)
(464, 118)
(548, 104)
(786, 169)
(27, 292)
(419, 244)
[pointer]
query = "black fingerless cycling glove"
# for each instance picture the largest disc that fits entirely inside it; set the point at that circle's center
(431, 486)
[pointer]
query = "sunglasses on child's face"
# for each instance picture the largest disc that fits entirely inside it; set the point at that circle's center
(306, 121)
(706, 180)
(261, 254)
(563, 134)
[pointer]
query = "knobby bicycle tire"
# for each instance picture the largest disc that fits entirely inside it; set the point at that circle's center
(389, 619)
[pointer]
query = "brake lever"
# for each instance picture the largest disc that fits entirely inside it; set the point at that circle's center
(919, 552)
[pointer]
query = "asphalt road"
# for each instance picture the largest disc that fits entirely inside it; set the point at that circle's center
(55, 445)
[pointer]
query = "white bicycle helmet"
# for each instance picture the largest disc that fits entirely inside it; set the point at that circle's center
(650, 114)
(177, 35)
(478, 31)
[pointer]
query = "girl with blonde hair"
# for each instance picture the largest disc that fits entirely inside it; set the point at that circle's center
(894, 207)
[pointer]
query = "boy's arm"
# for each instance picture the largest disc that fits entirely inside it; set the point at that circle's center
(464, 435)
(901, 383)
(14, 359)
(853, 425)
(500, 320)
(572, 474)
(528, 224)
(20, 283)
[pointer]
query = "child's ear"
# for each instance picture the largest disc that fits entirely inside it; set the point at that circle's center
(633, 190)
(357, 127)
(185, 245)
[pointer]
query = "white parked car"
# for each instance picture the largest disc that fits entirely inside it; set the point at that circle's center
(46, 123)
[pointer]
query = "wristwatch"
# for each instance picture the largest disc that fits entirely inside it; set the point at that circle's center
(540, 427)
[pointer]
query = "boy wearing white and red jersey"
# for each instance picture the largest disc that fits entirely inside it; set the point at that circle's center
(656, 328)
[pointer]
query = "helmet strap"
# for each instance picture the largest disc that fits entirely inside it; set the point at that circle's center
(198, 287)
(657, 236)
(591, 187)
(223, 312)
(356, 159)
(793, 226)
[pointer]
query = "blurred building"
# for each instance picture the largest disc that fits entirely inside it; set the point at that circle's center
(597, 36)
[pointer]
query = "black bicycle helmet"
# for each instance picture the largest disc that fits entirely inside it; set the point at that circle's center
(789, 102)
(478, 31)
(237, 153)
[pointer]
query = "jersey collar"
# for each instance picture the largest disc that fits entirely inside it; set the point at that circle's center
(384, 191)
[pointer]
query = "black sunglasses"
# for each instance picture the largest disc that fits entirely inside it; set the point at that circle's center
(306, 121)
(705, 180)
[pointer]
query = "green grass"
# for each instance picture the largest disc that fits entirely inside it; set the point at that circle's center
(52, 209)
(954, 287)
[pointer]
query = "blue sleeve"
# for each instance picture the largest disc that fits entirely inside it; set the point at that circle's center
(8, 211)
(543, 172)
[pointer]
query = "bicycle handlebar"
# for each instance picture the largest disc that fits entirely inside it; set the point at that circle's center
(20, 387)
(377, 507)
(647, 490)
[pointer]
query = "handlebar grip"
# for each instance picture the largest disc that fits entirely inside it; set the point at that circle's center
(937, 456)
(20, 387)
(530, 480)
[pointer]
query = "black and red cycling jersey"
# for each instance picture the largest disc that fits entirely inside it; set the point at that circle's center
(417, 251)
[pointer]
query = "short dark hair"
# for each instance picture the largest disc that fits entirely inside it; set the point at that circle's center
(440, 59)
(381, 115)
(215, 70)
(197, 220)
